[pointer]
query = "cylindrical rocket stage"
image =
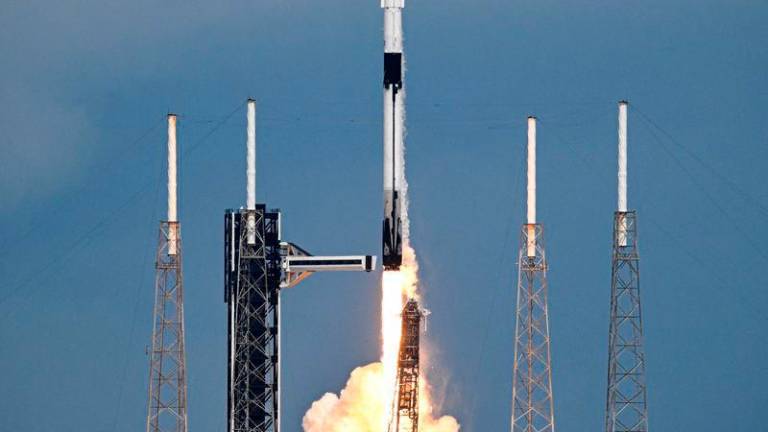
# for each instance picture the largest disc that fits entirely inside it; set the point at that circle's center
(394, 119)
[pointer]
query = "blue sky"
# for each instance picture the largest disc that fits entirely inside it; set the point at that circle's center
(85, 89)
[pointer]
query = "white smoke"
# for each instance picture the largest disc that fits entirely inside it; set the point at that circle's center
(360, 407)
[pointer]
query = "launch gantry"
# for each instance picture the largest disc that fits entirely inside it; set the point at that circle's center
(258, 264)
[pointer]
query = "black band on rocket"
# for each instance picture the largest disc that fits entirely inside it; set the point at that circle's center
(393, 69)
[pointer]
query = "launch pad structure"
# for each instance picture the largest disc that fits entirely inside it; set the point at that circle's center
(406, 412)
(626, 401)
(257, 265)
(532, 399)
(252, 278)
(167, 404)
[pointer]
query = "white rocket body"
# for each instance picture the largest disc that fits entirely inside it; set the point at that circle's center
(531, 207)
(622, 176)
(251, 171)
(394, 119)
(173, 232)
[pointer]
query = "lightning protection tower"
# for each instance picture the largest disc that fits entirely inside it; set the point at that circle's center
(626, 409)
(167, 407)
(532, 402)
(407, 410)
(257, 265)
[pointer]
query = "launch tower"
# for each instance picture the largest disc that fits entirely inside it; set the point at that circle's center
(257, 265)
(167, 407)
(626, 409)
(532, 403)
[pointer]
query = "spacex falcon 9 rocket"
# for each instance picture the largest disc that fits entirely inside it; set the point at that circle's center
(394, 117)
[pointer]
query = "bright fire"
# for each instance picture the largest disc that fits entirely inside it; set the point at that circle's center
(365, 404)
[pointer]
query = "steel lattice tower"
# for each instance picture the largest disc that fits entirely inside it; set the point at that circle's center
(252, 296)
(407, 410)
(251, 291)
(626, 409)
(532, 401)
(167, 407)
(626, 401)
(257, 264)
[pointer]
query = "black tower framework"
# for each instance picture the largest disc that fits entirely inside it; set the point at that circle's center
(626, 406)
(407, 410)
(252, 283)
(257, 264)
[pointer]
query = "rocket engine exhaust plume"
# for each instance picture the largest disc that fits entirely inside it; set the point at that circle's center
(365, 403)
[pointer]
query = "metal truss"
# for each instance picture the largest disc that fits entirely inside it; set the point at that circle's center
(252, 293)
(407, 410)
(167, 407)
(297, 264)
(626, 406)
(532, 402)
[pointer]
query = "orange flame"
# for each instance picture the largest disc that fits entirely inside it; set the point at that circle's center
(365, 404)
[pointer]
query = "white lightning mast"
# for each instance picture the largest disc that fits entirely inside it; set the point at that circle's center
(531, 249)
(172, 187)
(251, 171)
(622, 177)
